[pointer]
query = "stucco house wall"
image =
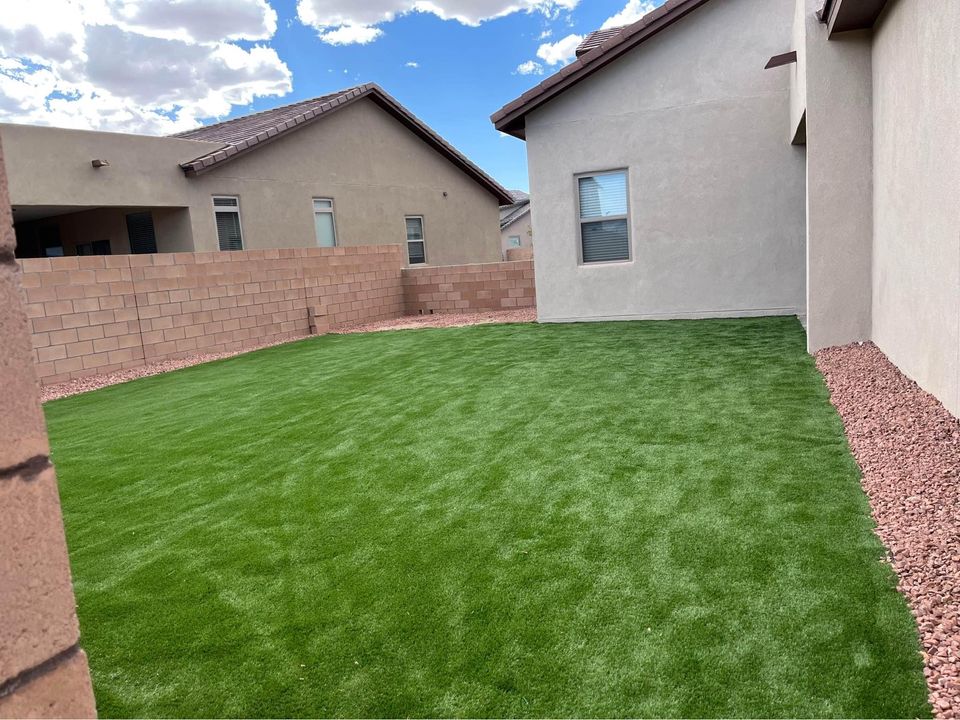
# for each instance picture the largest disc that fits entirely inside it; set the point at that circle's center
(522, 228)
(839, 150)
(916, 178)
(375, 170)
(716, 195)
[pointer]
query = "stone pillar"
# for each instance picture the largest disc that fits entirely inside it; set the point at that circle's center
(43, 671)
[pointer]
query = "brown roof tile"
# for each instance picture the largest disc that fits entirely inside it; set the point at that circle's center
(245, 134)
(596, 38)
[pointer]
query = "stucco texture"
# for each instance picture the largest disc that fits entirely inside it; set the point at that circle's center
(375, 170)
(839, 185)
(916, 174)
(716, 195)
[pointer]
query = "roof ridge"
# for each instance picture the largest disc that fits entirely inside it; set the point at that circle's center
(597, 37)
(318, 99)
(243, 138)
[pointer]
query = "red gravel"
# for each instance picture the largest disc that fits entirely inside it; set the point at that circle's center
(95, 382)
(442, 320)
(908, 447)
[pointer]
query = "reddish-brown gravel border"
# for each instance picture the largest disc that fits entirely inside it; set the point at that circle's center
(444, 320)
(95, 382)
(908, 447)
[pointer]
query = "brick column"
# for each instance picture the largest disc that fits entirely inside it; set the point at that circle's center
(43, 671)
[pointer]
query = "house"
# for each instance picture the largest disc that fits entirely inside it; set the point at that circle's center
(350, 168)
(515, 229)
(753, 157)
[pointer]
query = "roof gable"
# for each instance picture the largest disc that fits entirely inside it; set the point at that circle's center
(511, 118)
(245, 134)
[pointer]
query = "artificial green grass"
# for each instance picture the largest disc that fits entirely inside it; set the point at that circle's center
(623, 519)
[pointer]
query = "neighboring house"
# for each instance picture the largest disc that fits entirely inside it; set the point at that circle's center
(515, 229)
(351, 168)
(693, 182)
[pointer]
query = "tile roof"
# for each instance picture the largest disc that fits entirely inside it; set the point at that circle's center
(244, 134)
(518, 195)
(596, 39)
(237, 130)
(509, 214)
(510, 118)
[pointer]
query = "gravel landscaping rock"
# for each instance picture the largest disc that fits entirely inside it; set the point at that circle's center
(442, 320)
(908, 447)
(95, 382)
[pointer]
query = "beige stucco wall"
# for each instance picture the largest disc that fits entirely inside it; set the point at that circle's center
(372, 166)
(839, 153)
(376, 171)
(716, 194)
(916, 229)
(522, 228)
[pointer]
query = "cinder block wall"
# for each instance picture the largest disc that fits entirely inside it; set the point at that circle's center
(43, 671)
(469, 288)
(91, 315)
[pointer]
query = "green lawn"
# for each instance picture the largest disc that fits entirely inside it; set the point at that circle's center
(618, 519)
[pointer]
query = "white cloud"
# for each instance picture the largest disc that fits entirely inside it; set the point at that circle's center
(328, 16)
(350, 35)
(560, 52)
(530, 67)
(412, 64)
(198, 20)
(545, 34)
(154, 66)
(632, 11)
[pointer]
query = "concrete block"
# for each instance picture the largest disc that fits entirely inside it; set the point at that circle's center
(63, 691)
(39, 618)
(23, 432)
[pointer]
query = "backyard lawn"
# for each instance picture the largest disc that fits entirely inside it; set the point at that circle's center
(616, 519)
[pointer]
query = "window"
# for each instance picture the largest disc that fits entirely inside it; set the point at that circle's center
(227, 212)
(323, 222)
(97, 247)
(604, 220)
(416, 249)
(140, 232)
(513, 241)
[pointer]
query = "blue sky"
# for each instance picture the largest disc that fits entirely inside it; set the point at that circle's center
(463, 73)
(161, 66)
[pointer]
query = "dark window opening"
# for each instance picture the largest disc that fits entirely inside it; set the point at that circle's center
(97, 247)
(143, 238)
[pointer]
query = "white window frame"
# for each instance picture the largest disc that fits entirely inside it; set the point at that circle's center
(423, 238)
(333, 217)
(581, 220)
(227, 208)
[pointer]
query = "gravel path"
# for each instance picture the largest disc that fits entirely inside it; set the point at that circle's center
(95, 382)
(443, 320)
(908, 447)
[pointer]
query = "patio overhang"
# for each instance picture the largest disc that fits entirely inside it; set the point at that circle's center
(847, 15)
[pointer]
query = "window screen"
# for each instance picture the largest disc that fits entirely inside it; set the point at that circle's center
(604, 220)
(227, 213)
(416, 249)
(323, 222)
(143, 238)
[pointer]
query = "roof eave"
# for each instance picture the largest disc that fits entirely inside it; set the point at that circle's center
(210, 161)
(510, 118)
(849, 15)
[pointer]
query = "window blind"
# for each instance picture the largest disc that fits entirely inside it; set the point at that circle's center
(143, 238)
(604, 222)
(414, 228)
(228, 231)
